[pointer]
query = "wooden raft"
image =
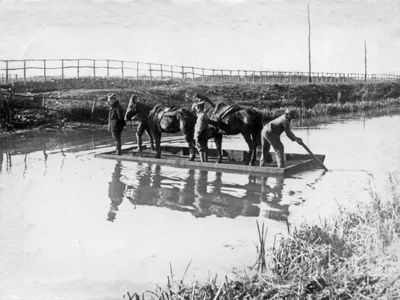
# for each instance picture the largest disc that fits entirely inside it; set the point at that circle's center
(232, 160)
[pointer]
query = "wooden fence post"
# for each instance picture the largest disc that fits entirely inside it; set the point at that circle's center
(213, 75)
(62, 69)
(94, 68)
(193, 74)
(77, 69)
(172, 72)
(122, 69)
(108, 68)
(6, 71)
(44, 107)
(24, 71)
(137, 70)
(44, 70)
(162, 75)
(183, 73)
(151, 75)
(93, 108)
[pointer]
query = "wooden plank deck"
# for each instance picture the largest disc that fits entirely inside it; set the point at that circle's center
(233, 160)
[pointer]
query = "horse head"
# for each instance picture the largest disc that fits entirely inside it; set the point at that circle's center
(131, 111)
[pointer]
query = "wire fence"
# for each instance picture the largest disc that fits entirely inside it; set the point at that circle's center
(55, 69)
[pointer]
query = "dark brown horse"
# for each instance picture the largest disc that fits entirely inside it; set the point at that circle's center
(234, 119)
(158, 119)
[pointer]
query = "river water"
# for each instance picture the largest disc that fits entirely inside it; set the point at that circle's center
(73, 226)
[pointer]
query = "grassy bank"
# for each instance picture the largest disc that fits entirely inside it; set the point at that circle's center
(353, 256)
(36, 104)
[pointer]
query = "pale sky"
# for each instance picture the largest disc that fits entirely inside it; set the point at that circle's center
(229, 34)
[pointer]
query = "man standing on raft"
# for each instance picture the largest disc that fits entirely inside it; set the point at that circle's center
(270, 135)
(116, 121)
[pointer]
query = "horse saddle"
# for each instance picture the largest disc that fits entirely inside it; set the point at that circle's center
(158, 112)
(169, 111)
(222, 110)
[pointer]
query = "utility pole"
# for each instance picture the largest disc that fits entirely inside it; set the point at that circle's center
(309, 45)
(365, 60)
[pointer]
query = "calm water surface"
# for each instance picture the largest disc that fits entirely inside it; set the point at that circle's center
(77, 227)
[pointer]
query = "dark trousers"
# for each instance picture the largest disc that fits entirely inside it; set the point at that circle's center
(116, 133)
(268, 138)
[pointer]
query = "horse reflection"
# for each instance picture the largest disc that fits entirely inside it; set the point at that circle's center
(201, 193)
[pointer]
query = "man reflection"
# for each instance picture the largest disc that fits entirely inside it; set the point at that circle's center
(115, 192)
(271, 196)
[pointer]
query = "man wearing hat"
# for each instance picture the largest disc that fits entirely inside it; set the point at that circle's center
(116, 120)
(270, 135)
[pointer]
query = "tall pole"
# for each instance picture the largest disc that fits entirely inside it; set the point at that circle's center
(365, 60)
(309, 44)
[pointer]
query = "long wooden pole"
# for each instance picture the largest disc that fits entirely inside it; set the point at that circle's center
(309, 44)
(6, 71)
(314, 157)
(365, 60)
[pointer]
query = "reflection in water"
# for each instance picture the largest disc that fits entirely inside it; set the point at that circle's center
(115, 192)
(202, 193)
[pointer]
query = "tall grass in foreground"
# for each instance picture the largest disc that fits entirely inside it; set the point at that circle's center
(356, 255)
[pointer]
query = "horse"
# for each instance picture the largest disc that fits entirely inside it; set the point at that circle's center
(158, 119)
(232, 120)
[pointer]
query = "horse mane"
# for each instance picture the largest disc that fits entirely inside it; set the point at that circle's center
(143, 109)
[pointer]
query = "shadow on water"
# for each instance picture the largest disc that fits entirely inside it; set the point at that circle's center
(201, 193)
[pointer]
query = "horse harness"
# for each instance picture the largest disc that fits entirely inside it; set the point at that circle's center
(222, 110)
(155, 117)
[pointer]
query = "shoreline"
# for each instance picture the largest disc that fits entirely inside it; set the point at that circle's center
(309, 116)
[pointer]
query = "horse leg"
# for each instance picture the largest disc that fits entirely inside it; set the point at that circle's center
(252, 147)
(188, 132)
(192, 153)
(150, 135)
(139, 132)
(218, 145)
(157, 139)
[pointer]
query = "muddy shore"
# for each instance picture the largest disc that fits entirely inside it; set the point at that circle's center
(80, 102)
